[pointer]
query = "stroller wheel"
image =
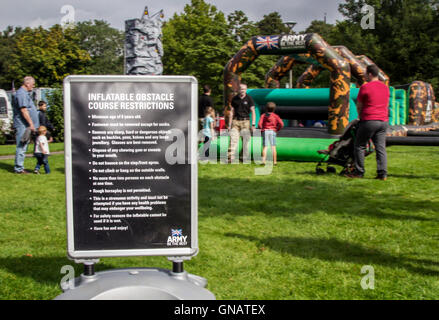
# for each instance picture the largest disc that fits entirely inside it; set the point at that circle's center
(331, 170)
(320, 171)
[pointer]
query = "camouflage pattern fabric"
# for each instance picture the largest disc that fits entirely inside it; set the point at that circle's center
(382, 76)
(423, 108)
(283, 66)
(418, 100)
(318, 50)
(308, 76)
(358, 68)
(435, 116)
(273, 77)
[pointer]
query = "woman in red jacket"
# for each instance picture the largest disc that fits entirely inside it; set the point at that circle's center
(270, 124)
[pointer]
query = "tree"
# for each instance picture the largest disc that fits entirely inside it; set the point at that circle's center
(47, 55)
(197, 42)
(56, 113)
(325, 30)
(7, 44)
(104, 44)
(272, 24)
(240, 27)
(404, 42)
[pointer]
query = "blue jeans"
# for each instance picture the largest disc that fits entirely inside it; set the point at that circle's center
(20, 151)
(42, 159)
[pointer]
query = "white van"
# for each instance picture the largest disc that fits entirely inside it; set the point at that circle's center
(6, 113)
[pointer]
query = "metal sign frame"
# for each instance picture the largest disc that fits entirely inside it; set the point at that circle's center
(192, 158)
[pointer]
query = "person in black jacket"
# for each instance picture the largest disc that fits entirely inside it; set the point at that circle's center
(205, 101)
(44, 121)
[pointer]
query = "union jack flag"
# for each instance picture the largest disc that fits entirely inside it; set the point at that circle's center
(270, 42)
(177, 232)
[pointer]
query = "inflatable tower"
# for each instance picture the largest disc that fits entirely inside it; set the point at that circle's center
(143, 45)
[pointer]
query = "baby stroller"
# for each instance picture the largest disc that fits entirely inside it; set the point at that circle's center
(341, 152)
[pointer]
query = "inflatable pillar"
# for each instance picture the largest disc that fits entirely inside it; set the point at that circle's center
(143, 45)
(422, 107)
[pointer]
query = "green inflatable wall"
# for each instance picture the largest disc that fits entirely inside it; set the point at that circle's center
(305, 149)
(401, 98)
(297, 149)
(299, 97)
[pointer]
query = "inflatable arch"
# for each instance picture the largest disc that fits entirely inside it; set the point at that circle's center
(313, 47)
(357, 64)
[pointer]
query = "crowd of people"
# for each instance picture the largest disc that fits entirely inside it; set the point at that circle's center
(372, 108)
(32, 125)
(239, 115)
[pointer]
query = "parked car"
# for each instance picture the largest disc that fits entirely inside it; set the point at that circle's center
(6, 114)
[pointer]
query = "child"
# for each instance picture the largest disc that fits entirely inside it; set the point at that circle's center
(44, 121)
(42, 151)
(270, 123)
(208, 129)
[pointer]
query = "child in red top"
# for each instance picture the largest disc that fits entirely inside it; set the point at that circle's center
(270, 123)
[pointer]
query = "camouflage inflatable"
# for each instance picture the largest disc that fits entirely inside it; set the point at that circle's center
(143, 45)
(422, 106)
(381, 75)
(317, 49)
(358, 66)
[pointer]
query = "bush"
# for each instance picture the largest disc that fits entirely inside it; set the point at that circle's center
(56, 113)
(3, 137)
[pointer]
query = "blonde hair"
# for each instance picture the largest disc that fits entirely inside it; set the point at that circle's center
(209, 111)
(42, 130)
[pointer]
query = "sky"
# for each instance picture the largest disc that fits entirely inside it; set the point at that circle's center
(33, 13)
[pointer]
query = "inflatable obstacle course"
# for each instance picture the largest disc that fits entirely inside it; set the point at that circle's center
(411, 107)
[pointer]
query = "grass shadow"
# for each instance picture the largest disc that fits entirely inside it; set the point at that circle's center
(411, 176)
(60, 170)
(390, 176)
(6, 167)
(334, 250)
(291, 197)
(46, 270)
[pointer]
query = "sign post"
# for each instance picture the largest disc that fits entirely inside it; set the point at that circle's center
(131, 175)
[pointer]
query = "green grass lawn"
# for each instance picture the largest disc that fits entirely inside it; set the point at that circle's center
(287, 235)
(10, 149)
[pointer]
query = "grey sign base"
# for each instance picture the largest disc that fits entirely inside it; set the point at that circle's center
(137, 284)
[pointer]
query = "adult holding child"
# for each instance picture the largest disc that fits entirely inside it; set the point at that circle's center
(25, 121)
(242, 105)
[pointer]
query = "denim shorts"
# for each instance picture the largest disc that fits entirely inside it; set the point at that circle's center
(269, 138)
